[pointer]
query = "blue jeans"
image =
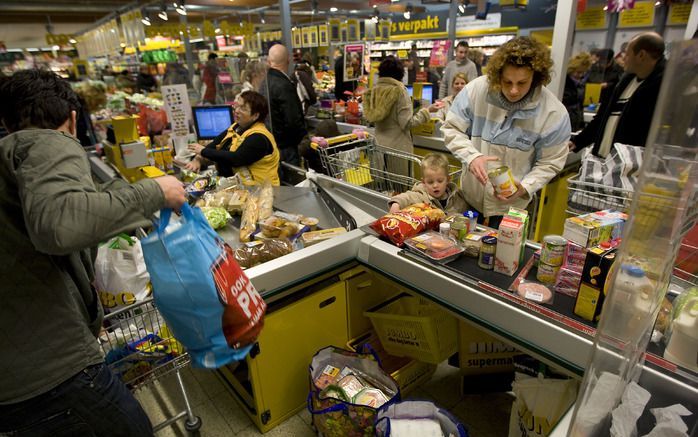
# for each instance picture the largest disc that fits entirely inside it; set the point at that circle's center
(93, 403)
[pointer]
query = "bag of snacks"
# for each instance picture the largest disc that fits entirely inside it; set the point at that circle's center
(346, 390)
(408, 222)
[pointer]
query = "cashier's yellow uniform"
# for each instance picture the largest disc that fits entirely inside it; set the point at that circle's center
(252, 153)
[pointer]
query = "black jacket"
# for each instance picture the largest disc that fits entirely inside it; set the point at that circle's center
(634, 123)
(287, 120)
(573, 99)
(339, 85)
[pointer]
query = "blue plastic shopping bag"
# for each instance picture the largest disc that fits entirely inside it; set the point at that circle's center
(202, 293)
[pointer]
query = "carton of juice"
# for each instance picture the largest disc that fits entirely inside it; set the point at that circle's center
(509, 246)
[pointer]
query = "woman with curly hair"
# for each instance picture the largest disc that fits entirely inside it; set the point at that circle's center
(508, 118)
(575, 85)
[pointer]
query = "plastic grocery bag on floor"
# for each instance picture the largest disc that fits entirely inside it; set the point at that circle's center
(121, 278)
(354, 415)
(417, 418)
(207, 301)
(540, 402)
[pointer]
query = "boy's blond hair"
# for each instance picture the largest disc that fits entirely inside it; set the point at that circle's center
(435, 161)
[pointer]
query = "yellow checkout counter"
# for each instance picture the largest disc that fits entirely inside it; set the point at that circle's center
(550, 203)
(317, 297)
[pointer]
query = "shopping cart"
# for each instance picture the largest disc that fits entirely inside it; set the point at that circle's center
(139, 349)
(378, 168)
(586, 197)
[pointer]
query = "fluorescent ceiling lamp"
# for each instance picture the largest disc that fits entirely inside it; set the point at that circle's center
(146, 21)
(333, 9)
(218, 30)
(461, 8)
(353, 11)
(56, 48)
(163, 14)
(73, 41)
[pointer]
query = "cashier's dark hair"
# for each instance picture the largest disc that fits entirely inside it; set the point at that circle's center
(257, 103)
(391, 67)
(36, 99)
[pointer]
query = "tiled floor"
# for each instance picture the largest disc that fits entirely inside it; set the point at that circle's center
(485, 415)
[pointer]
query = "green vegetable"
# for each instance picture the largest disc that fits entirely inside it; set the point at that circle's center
(682, 299)
(217, 217)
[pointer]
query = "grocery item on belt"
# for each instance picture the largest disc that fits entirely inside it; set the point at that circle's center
(310, 222)
(408, 222)
(435, 246)
(535, 292)
(260, 251)
(232, 200)
(250, 216)
(488, 251)
(314, 237)
(278, 227)
(216, 217)
(502, 181)
(553, 250)
(547, 274)
(509, 244)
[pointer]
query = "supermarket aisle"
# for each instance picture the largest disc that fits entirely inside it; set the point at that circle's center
(485, 415)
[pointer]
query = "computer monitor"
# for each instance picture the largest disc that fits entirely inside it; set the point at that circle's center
(409, 90)
(210, 121)
(428, 93)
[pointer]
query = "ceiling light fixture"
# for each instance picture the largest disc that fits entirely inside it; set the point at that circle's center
(73, 41)
(605, 8)
(658, 3)
(333, 9)
(261, 18)
(353, 11)
(163, 12)
(314, 7)
(376, 16)
(461, 8)
(145, 19)
(181, 9)
(408, 12)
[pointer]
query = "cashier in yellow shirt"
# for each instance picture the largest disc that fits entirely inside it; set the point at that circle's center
(246, 148)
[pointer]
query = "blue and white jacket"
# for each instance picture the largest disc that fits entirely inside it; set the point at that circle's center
(530, 137)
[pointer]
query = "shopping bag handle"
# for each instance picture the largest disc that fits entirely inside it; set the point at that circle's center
(367, 347)
(333, 408)
(166, 214)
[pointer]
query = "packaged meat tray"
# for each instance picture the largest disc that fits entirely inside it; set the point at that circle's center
(434, 246)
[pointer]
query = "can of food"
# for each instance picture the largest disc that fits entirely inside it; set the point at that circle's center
(459, 229)
(547, 273)
(488, 249)
(502, 181)
(553, 250)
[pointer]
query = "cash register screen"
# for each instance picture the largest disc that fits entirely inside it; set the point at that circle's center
(427, 92)
(212, 120)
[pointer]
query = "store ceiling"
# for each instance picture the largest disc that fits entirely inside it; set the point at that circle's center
(23, 23)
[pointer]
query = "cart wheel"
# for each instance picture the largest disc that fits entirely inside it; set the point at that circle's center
(193, 426)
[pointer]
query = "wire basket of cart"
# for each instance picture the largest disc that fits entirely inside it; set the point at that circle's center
(378, 168)
(140, 349)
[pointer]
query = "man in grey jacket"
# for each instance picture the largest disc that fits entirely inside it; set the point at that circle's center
(53, 380)
(459, 65)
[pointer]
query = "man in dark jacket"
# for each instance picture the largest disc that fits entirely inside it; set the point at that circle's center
(53, 380)
(287, 120)
(340, 87)
(627, 115)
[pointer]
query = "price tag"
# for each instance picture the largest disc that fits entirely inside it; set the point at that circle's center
(534, 295)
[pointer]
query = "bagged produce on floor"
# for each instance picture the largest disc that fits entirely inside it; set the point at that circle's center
(408, 222)
(207, 301)
(417, 418)
(121, 278)
(346, 390)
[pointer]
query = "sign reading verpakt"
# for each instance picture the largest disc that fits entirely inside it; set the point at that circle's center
(419, 24)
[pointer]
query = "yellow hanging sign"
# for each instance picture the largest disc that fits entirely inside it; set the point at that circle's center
(678, 14)
(642, 15)
(594, 17)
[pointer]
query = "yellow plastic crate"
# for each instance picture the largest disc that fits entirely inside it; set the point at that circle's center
(407, 372)
(410, 326)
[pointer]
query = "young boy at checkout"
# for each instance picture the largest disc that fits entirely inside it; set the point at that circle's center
(435, 189)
